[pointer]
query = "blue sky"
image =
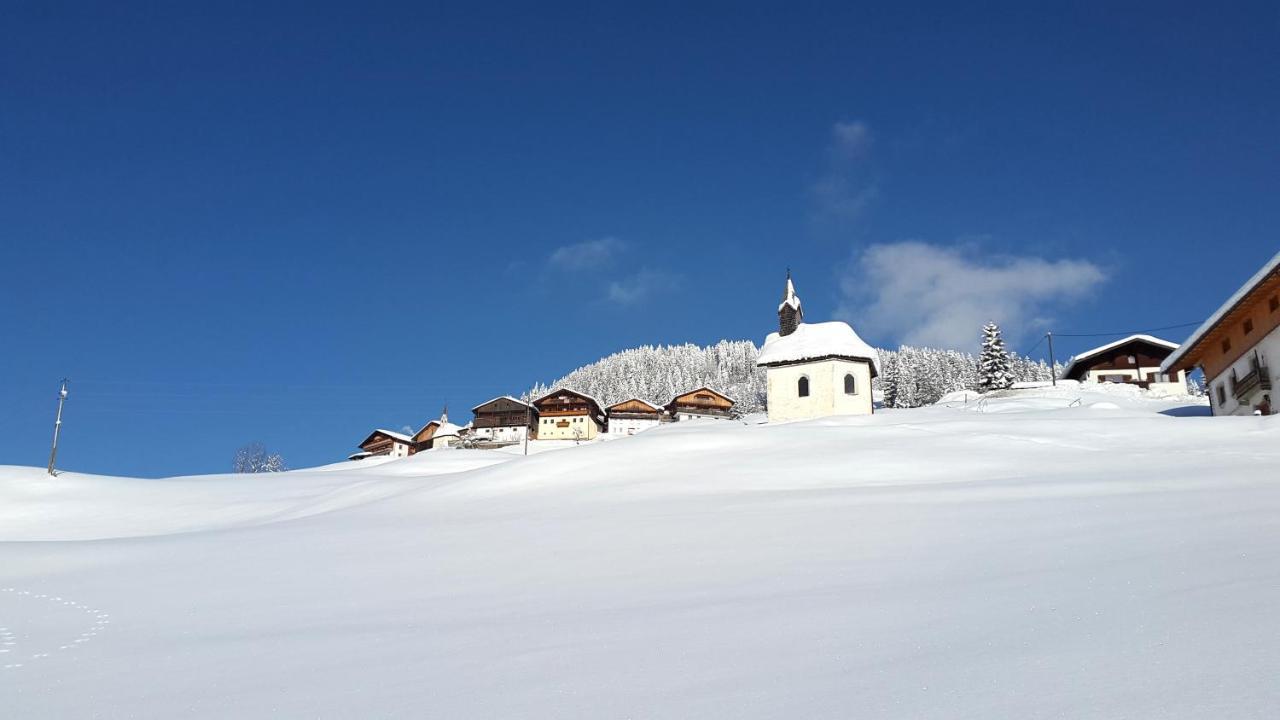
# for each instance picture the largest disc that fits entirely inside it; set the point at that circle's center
(292, 223)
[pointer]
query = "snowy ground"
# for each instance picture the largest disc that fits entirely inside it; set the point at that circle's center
(1044, 555)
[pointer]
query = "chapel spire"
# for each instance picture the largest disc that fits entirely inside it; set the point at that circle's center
(790, 312)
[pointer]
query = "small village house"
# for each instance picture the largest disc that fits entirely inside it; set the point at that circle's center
(386, 442)
(632, 416)
(437, 434)
(701, 403)
(503, 420)
(1135, 360)
(815, 370)
(565, 414)
(1238, 346)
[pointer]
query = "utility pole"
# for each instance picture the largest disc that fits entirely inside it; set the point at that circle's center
(57, 425)
(1053, 366)
(528, 418)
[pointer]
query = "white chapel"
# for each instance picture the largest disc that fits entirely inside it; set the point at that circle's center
(815, 369)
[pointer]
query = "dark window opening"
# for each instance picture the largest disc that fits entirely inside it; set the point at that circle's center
(802, 388)
(850, 385)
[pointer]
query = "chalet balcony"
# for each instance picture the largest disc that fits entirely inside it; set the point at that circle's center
(1257, 379)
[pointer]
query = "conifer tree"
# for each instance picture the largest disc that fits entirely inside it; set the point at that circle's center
(994, 372)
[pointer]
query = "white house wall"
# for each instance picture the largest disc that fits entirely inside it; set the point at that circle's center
(501, 433)
(1268, 349)
(580, 427)
(630, 426)
(826, 390)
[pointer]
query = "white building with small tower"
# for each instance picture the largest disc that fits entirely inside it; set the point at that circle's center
(815, 369)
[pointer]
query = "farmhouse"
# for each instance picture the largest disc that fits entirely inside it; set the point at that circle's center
(701, 403)
(503, 420)
(565, 414)
(386, 442)
(815, 370)
(1237, 346)
(632, 416)
(1135, 359)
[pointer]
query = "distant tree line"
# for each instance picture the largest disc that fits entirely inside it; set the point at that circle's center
(909, 376)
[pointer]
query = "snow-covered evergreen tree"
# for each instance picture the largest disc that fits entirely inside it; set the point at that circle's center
(994, 371)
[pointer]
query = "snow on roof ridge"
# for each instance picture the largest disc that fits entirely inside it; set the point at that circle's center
(1071, 362)
(812, 341)
(575, 392)
(706, 387)
(501, 397)
(1269, 267)
(650, 403)
(394, 434)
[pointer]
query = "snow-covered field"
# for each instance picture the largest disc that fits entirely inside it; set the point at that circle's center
(1050, 554)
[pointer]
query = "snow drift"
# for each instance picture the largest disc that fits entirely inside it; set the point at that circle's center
(1035, 557)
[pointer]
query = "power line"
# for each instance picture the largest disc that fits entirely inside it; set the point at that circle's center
(1131, 332)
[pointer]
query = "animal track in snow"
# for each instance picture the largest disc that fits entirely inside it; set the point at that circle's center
(9, 642)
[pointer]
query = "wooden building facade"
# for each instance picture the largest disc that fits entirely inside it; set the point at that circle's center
(701, 403)
(1238, 347)
(632, 416)
(386, 442)
(565, 414)
(1133, 360)
(503, 420)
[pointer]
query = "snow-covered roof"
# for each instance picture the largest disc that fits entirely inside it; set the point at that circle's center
(653, 405)
(1076, 359)
(446, 428)
(700, 389)
(389, 433)
(501, 397)
(559, 390)
(1208, 325)
(814, 341)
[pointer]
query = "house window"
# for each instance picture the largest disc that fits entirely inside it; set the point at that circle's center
(1222, 395)
(1133, 360)
(1274, 303)
(1226, 344)
(802, 387)
(850, 385)
(1248, 326)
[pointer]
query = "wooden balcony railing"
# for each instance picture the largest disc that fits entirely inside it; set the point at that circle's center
(1256, 379)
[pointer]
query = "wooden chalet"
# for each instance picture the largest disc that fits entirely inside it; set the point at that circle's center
(503, 420)
(387, 442)
(701, 403)
(565, 414)
(1238, 347)
(1133, 360)
(632, 416)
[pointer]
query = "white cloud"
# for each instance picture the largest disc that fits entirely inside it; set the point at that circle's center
(641, 286)
(850, 140)
(586, 255)
(922, 294)
(846, 188)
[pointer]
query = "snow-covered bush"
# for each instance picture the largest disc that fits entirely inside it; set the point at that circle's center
(253, 458)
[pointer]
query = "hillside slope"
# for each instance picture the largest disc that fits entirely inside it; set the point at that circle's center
(1024, 557)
